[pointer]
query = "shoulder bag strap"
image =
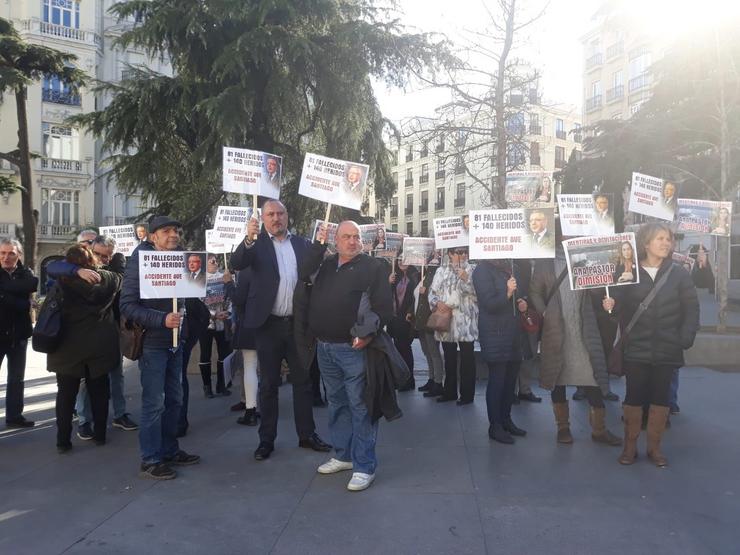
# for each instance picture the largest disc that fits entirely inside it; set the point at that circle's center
(647, 300)
(560, 279)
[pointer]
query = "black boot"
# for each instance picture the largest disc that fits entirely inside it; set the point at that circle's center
(208, 392)
(435, 390)
(249, 418)
(426, 386)
(513, 429)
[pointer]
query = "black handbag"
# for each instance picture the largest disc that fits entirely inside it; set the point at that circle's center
(47, 333)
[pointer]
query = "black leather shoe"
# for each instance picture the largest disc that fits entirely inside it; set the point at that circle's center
(314, 442)
(462, 402)
(531, 397)
(435, 390)
(249, 418)
(426, 387)
(513, 429)
(19, 422)
(408, 386)
(497, 433)
(446, 398)
(238, 407)
(263, 451)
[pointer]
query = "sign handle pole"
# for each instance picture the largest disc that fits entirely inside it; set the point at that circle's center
(174, 330)
(422, 273)
(607, 296)
(393, 267)
(254, 211)
(513, 297)
(326, 218)
(226, 264)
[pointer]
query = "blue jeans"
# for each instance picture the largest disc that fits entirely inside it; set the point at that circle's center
(117, 399)
(353, 433)
(161, 400)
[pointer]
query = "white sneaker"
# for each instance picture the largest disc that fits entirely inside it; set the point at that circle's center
(360, 481)
(334, 465)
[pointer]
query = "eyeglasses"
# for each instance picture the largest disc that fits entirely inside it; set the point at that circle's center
(88, 241)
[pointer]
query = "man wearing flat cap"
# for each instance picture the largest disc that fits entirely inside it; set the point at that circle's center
(160, 363)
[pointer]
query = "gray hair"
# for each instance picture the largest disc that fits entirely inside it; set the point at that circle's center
(106, 241)
(85, 232)
(13, 243)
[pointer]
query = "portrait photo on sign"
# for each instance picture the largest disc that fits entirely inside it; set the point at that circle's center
(272, 169)
(353, 185)
(541, 236)
(195, 267)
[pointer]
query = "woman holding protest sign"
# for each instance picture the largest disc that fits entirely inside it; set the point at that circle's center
(661, 317)
(571, 348)
(452, 292)
(626, 271)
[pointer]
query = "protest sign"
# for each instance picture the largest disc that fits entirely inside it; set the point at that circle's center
(172, 274)
(451, 232)
(336, 182)
(216, 245)
(331, 232)
(373, 237)
(586, 215)
(393, 243)
(215, 297)
(251, 172)
(605, 261)
(684, 260)
(528, 188)
(704, 216)
(652, 196)
(512, 233)
(124, 236)
(418, 251)
(230, 224)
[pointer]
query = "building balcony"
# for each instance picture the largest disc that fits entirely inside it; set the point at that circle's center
(409, 210)
(56, 232)
(424, 207)
(439, 174)
(459, 202)
(439, 205)
(535, 129)
(614, 50)
(424, 178)
(593, 103)
(62, 166)
(80, 36)
(60, 97)
(394, 211)
(594, 61)
(561, 134)
(409, 182)
(7, 230)
(6, 167)
(614, 94)
(640, 82)
(560, 164)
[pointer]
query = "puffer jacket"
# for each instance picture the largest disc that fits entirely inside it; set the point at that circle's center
(670, 323)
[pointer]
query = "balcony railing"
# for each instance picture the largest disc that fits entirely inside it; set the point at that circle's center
(614, 94)
(593, 103)
(409, 209)
(561, 134)
(424, 207)
(559, 163)
(424, 178)
(52, 231)
(394, 211)
(7, 230)
(60, 97)
(439, 205)
(6, 166)
(535, 129)
(409, 182)
(459, 202)
(640, 82)
(614, 50)
(594, 61)
(439, 174)
(60, 165)
(60, 31)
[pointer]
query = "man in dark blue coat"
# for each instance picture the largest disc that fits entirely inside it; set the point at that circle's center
(274, 259)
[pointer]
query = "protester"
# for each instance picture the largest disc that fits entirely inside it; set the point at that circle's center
(218, 288)
(197, 317)
(654, 347)
(500, 339)
(90, 347)
(572, 353)
(702, 274)
(429, 345)
(17, 284)
(355, 286)
(160, 364)
(452, 290)
(400, 327)
(528, 367)
(274, 259)
(244, 341)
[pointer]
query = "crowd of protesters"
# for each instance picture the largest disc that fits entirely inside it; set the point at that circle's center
(349, 320)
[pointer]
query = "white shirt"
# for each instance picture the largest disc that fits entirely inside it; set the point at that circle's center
(288, 269)
(652, 272)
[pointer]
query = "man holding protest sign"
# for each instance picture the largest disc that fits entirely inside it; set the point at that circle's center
(274, 259)
(160, 363)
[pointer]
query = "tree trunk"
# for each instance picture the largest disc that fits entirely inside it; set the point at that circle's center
(24, 153)
(723, 243)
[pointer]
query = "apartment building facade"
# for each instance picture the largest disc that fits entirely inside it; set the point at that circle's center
(70, 190)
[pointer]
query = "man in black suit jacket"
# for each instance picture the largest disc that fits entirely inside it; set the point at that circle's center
(274, 259)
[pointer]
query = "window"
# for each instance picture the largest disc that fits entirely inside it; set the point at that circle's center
(560, 128)
(595, 89)
(424, 228)
(394, 207)
(394, 177)
(515, 124)
(394, 158)
(460, 195)
(409, 177)
(515, 155)
(424, 178)
(534, 124)
(57, 91)
(577, 135)
(60, 207)
(62, 12)
(424, 150)
(424, 202)
(409, 204)
(534, 153)
(559, 157)
(440, 202)
(409, 228)
(60, 141)
(410, 155)
(617, 79)
(459, 164)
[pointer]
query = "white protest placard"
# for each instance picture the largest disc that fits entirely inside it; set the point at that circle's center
(451, 232)
(251, 172)
(606, 261)
(393, 243)
(216, 245)
(704, 216)
(684, 260)
(373, 237)
(337, 182)
(231, 222)
(528, 188)
(418, 251)
(172, 274)
(586, 214)
(124, 236)
(653, 196)
(512, 233)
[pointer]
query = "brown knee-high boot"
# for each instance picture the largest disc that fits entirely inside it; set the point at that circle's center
(632, 425)
(562, 420)
(599, 433)
(657, 417)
